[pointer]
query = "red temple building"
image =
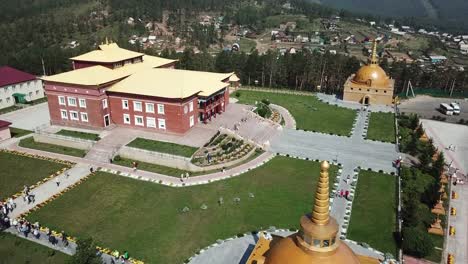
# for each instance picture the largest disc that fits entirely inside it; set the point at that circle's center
(114, 86)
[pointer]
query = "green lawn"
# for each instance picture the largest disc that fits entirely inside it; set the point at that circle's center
(17, 171)
(436, 255)
(164, 147)
(30, 143)
(146, 218)
(309, 112)
(15, 250)
(382, 127)
(78, 134)
(246, 45)
(373, 218)
(18, 132)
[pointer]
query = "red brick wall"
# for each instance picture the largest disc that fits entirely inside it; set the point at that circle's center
(226, 98)
(176, 119)
(94, 106)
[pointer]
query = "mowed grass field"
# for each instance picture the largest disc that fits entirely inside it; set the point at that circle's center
(17, 171)
(382, 127)
(373, 218)
(309, 112)
(147, 219)
(15, 250)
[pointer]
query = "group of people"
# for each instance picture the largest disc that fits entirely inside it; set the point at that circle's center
(5, 209)
(123, 258)
(343, 194)
(27, 195)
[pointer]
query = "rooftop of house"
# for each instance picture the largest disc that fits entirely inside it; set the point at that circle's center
(9, 76)
(171, 83)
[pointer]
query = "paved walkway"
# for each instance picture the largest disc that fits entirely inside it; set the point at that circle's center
(443, 135)
(46, 190)
(151, 176)
(333, 100)
(29, 117)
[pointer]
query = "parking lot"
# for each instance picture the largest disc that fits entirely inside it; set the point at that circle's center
(427, 107)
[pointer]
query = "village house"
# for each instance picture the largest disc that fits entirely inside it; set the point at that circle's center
(18, 87)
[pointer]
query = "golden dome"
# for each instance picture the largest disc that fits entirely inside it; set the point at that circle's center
(372, 75)
(286, 251)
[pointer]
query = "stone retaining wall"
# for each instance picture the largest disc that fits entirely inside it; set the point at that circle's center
(64, 141)
(173, 161)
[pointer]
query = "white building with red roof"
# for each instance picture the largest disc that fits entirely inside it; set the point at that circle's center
(18, 87)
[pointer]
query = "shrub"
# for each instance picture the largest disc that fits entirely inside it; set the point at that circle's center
(117, 158)
(266, 101)
(417, 242)
(237, 94)
(461, 121)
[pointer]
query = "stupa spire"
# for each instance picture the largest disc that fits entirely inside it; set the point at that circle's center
(320, 212)
(374, 52)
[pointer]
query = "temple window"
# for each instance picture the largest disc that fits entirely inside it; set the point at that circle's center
(326, 243)
(317, 242)
(385, 91)
(376, 91)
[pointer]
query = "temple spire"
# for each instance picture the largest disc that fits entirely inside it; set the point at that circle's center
(374, 52)
(320, 212)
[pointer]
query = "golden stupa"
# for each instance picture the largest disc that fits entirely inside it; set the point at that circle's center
(316, 242)
(370, 84)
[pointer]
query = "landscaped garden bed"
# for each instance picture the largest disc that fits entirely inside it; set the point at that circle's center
(149, 221)
(221, 149)
(79, 134)
(163, 147)
(18, 132)
(310, 114)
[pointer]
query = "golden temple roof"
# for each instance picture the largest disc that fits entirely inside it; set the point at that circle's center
(108, 53)
(97, 75)
(171, 83)
(372, 74)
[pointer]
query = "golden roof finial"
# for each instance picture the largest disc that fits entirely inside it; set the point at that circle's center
(320, 212)
(374, 53)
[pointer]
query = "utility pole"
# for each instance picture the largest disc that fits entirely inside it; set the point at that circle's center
(43, 67)
(453, 86)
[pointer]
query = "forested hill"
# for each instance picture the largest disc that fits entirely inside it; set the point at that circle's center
(449, 14)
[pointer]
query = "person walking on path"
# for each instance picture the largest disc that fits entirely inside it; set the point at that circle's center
(57, 181)
(346, 194)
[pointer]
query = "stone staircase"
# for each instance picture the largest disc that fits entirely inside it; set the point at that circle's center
(109, 145)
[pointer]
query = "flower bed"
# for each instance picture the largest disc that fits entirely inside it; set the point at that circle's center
(222, 149)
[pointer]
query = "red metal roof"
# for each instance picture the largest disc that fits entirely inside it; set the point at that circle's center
(9, 75)
(4, 123)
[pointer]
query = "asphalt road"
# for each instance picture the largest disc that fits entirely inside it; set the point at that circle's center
(426, 107)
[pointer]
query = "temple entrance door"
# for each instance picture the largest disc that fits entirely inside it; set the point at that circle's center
(106, 120)
(366, 100)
